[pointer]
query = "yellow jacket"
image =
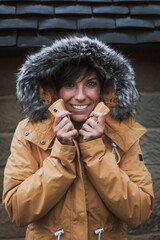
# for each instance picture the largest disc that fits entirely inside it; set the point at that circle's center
(77, 192)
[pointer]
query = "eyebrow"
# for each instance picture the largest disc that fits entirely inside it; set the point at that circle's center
(90, 79)
(95, 78)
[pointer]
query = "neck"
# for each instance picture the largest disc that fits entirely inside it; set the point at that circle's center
(78, 125)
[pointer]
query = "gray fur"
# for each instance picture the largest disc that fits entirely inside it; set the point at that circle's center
(42, 64)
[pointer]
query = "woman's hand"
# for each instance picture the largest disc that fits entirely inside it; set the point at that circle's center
(63, 128)
(92, 129)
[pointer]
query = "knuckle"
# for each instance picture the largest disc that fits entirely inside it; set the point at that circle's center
(66, 119)
(55, 132)
(58, 135)
(63, 136)
(101, 131)
(70, 124)
(55, 129)
(84, 126)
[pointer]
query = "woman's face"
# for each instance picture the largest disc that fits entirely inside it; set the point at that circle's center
(81, 97)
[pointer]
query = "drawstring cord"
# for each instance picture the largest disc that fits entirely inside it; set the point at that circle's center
(58, 234)
(98, 232)
(115, 149)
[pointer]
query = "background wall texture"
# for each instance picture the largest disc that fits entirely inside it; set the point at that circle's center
(147, 68)
(131, 26)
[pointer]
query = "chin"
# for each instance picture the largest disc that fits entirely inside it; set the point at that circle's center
(79, 119)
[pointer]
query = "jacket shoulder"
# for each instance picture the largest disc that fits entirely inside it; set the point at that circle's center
(20, 129)
(124, 133)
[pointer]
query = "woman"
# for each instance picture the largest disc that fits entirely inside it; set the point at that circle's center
(76, 170)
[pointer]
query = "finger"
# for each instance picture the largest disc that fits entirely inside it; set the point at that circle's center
(60, 116)
(91, 123)
(99, 116)
(90, 135)
(60, 125)
(67, 137)
(70, 134)
(86, 127)
(86, 135)
(64, 126)
(89, 132)
(95, 113)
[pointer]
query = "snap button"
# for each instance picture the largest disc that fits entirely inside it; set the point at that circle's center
(43, 142)
(26, 133)
(55, 110)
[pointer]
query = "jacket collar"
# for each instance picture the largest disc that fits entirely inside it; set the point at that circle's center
(40, 133)
(124, 133)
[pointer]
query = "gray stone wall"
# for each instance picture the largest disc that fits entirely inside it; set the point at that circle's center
(10, 115)
(149, 115)
(147, 69)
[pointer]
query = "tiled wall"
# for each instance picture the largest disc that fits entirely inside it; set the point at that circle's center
(147, 67)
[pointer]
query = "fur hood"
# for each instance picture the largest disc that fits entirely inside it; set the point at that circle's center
(112, 65)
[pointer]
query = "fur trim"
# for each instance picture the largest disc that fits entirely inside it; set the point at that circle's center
(42, 64)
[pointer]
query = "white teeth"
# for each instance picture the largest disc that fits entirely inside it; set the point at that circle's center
(80, 107)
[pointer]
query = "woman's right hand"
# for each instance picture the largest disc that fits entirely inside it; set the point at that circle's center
(64, 129)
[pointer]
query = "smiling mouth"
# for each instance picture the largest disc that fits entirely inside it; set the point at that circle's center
(79, 107)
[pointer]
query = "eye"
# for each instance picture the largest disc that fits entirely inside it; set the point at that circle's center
(91, 84)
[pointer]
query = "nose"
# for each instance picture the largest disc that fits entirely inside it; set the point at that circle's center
(80, 94)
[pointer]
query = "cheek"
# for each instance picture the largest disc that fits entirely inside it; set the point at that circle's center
(95, 95)
(65, 94)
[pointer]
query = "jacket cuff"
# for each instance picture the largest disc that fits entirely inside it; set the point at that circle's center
(65, 153)
(91, 148)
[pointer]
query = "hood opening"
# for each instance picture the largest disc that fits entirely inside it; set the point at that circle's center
(37, 76)
(67, 72)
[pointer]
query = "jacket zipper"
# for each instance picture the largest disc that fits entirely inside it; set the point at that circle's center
(82, 175)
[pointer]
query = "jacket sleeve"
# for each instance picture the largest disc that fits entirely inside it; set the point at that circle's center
(29, 191)
(126, 189)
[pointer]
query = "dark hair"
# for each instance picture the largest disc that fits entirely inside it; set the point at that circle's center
(72, 70)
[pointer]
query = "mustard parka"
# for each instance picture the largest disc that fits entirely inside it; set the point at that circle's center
(90, 190)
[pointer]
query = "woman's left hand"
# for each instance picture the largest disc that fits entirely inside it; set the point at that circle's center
(92, 129)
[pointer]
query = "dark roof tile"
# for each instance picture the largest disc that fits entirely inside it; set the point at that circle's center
(110, 10)
(8, 40)
(17, 23)
(96, 1)
(117, 38)
(148, 37)
(7, 9)
(34, 9)
(57, 23)
(34, 41)
(133, 23)
(115, 21)
(74, 9)
(128, 1)
(55, 1)
(143, 10)
(157, 22)
(99, 23)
